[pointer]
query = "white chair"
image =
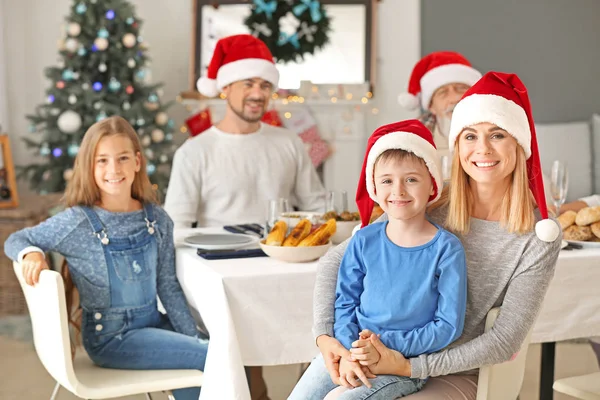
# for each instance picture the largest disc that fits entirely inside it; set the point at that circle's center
(48, 311)
(586, 387)
(502, 381)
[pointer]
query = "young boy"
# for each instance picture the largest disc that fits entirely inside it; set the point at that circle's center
(404, 279)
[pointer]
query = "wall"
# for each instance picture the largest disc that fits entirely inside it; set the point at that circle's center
(551, 44)
(32, 29)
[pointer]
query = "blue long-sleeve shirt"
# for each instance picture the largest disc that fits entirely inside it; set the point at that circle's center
(70, 234)
(414, 297)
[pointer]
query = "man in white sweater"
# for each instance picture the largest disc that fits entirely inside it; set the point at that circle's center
(227, 174)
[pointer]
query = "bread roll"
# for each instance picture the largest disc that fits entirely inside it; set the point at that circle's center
(277, 234)
(575, 232)
(321, 235)
(567, 219)
(300, 231)
(596, 229)
(587, 216)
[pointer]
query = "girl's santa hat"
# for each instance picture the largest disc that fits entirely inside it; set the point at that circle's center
(237, 58)
(410, 135)
(501, 99)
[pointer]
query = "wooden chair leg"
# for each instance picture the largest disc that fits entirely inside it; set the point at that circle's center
(55, 391)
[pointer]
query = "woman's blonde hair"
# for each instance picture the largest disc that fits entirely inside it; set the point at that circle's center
(516, 209)
(82, 189)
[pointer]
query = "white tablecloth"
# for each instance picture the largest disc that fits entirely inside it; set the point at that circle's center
(259, 311)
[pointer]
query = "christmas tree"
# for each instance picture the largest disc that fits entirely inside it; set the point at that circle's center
(102, 71)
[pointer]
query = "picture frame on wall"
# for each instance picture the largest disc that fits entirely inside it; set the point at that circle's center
(9, 197)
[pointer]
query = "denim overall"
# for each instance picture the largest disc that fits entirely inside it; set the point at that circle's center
(132, 333)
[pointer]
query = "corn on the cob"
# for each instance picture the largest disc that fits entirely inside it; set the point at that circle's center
(321, 235)
(300, 231)
(277, 234)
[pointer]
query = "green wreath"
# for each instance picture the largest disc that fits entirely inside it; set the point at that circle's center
(308, 17)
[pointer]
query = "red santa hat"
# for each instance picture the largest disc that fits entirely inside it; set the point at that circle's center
(434, 71)
(410, 135)
(501, 99)
(236, 58)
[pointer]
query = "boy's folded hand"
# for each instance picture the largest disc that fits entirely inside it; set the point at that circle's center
(363, 350)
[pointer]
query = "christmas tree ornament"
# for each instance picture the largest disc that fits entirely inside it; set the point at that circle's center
(151, 169)
(129, 89)
(163, 158)
(102, 67)
(50, 99)
(60, 85)
(110, 15)
(54, 111)
(131, 63)
(69, 122)
(85, 86)
(153, 98)
(140, 39)
(97, 105)
(149, 154)
(129, 20)
(68, 174)
(72, 99)
(101, 115)
(45, 149)
(161, 118)
(146, 141)
(157, 135)
(140, 121)
(57, 152)
(169, 137)
(73, 149)
(71, 45)
(67, 75)
(171, 124)
(114, 85)
(129, 40)
(81, 51)
(151, 106)
(97, 86)
(126, 106)
(80, 8)
(73, 29)
(102, 33)
(101, 43)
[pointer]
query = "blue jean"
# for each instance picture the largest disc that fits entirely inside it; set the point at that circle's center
(316, 383)
(147, 348)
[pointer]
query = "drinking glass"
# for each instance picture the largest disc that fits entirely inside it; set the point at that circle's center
(275, 208)
(559, 184)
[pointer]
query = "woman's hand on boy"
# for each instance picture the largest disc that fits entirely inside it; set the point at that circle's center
(363, 350)
(33, 263)
(392, 362)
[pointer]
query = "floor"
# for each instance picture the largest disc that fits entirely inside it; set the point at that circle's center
(23, 377)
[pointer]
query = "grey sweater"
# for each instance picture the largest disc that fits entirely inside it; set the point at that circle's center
(508, 270)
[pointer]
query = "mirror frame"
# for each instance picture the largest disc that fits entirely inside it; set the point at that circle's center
(370, 45)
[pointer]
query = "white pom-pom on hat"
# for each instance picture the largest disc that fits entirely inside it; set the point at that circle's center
(207, 87)
(547, 230)
(408, 101)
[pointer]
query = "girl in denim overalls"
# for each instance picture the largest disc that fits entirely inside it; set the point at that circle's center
(119, 247)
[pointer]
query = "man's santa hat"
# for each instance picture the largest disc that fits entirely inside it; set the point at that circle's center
(237, 58)
(501, 99)
(434, 71)
(410, 135)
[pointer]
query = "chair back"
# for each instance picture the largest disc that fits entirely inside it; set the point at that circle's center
(48, 312)
(502, 381)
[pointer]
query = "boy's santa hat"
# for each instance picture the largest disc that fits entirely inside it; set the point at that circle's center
(501, 99)
(410, 135)
(434, 71)
(236, 58)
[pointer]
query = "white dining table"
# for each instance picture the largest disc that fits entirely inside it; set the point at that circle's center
(259, 310)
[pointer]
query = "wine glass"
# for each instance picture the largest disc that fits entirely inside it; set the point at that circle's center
(275, 208)
(559, 184)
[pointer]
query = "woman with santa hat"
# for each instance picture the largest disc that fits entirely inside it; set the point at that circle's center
(495, 205)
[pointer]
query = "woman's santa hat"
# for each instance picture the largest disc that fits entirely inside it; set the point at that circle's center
(434, 71)
(501, 99)
(237, 58)
(410, 135)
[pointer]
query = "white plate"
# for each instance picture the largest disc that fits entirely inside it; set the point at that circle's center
(219, 241)
(586, 245)
(564, 244)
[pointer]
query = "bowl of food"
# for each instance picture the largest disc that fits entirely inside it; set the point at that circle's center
(581, 228)
(345, 223)
(302, 244)
(292, 218)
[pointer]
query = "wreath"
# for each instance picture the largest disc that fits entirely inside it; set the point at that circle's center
(290, 28)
